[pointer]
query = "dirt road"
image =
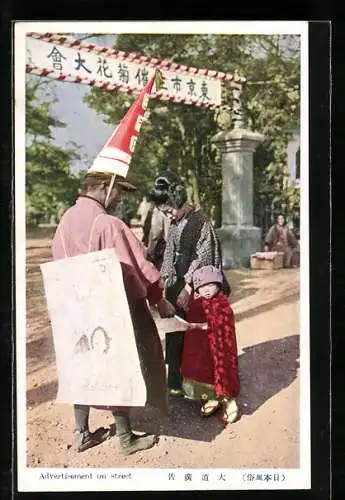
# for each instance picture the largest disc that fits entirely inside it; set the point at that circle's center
(266, 306)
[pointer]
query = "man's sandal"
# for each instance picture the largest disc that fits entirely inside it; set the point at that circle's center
(209, 408)
(230, 412)
(86, 440)
(176, 392)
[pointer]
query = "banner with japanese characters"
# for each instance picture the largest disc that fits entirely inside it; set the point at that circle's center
(114, 70)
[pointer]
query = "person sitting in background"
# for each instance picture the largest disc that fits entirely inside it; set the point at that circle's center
(280, 238)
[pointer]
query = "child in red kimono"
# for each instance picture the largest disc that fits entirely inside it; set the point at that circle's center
(209, 359)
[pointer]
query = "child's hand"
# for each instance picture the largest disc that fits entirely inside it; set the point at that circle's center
(198, 326)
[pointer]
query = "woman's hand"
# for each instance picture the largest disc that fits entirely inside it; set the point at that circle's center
(183, 298)
(165, 308)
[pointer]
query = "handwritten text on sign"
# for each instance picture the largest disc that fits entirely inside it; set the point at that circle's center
(128, 75)
(96, 352)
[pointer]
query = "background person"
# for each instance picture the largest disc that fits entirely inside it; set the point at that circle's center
(157, 226)
(143, 208)
(280, 238)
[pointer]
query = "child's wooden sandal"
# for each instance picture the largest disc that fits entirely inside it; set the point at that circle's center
(209, 408)
(230, 412)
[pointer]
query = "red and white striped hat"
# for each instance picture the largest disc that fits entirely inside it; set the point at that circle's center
(117, 152)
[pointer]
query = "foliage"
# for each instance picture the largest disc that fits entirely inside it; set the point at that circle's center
(272, 99)
(178, 137)
(50, 184)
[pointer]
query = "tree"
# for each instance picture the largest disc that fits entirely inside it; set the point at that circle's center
(272, 105)
(50, 184)
(178, 137)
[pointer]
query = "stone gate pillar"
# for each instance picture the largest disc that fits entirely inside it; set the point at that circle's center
(239, 237)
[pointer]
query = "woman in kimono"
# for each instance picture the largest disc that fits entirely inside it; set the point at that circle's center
(282, 239)
(87, 227)
(191, 243)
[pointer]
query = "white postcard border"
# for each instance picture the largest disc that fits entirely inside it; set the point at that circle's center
(30, 479)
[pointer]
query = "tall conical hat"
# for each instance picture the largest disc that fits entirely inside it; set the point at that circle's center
(117, 152)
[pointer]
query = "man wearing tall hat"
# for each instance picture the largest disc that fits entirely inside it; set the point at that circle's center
(87, 227)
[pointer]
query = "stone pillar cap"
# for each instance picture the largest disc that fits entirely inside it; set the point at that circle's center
(237, 134)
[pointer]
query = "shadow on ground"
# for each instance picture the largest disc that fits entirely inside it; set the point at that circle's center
(267, 306)
(265, 370)
(39, 353)
(183, 421)
(42, 394)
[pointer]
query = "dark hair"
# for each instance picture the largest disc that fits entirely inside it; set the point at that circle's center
(164, 182)
(280, 214)
(157, 196)
(107, 339)
(172, 192)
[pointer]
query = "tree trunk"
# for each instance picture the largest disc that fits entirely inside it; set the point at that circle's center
(193, 187)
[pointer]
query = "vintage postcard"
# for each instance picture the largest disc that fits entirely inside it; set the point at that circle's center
(211, 120)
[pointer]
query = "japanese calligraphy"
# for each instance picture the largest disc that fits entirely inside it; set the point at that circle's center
(138, 123)
(75, 64)
(263, 477)
(221, 477)
(142, 76)
(162, 85)
(204, 91)
(204, 477)
(123, 73)
(103, 68)
(57, 57)
(80, 63)
(176, 83)
(191, 85)
(188, 477)
(171, 476)
(29, 56)
(132, 143)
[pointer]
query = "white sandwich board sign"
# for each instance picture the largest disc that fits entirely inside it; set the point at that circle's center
(96, 353)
